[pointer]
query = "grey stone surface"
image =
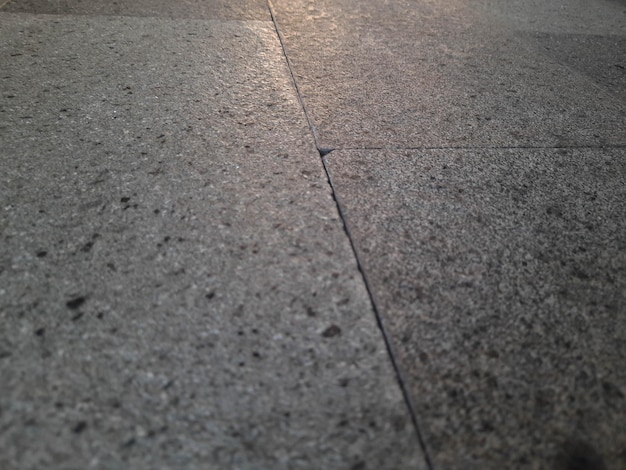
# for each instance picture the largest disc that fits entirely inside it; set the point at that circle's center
(501, 277)
(193, 9)
(588, 37)
(446, 74)
(176, 288)
(595, 17)
(601, 58)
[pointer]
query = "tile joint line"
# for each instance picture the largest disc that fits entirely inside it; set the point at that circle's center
(402, 382)
(512, 147)
(324, 152)
(293, 78)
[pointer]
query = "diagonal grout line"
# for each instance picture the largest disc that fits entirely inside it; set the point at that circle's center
(323, 153)
(379, 320)
(293, 78)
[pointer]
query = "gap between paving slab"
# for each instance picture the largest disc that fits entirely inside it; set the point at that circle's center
(323, 152)
(336, 152)
(428, 74)
(388, 198)
(149, 290)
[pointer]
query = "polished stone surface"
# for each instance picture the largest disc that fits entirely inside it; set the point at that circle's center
(453, 73)
(193, 9)
(176, 287)
(501, 278)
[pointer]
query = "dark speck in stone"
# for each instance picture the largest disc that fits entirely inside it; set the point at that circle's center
(359, 466)
(77, 316)
(578, 455)
(486, 426)
(41, 254)
(75, 303)
(493, 353)
(125, 199)
(80, 427)
(4, 354)
(331, 331)
(612, 391)
(580, 274)
(40, 331)
(210, 295)
(398, 423)
(553, 210)
(129, 443)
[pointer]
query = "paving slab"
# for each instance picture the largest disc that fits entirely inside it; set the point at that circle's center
(176, 287)
(597, 17)
(588, 37)
(500, 275)
(193, 9)
(447, 74)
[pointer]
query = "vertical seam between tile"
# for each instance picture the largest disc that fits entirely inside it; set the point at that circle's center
(293, 78)
(402, 382)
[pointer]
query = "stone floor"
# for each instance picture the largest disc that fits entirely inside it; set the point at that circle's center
(313, 234)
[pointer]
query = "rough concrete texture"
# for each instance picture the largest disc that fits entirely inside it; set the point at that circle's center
(449, 74)
(501, 277)
(176, 288)
(192, 9)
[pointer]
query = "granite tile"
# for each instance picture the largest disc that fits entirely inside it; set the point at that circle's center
(438, 74)
(588, 37)
(501, 279)
(176, 287)
(600, 58)
(589, 17)
(198, 9)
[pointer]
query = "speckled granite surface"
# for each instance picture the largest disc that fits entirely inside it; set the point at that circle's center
(192, 9)
(176, 285)
(453, 73)
(501, 276)
(176, 288)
